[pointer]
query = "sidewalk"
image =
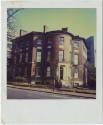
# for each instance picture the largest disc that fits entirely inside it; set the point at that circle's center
(93, 96)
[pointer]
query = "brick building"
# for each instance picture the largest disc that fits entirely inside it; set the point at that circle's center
(90, 48)
(43, 57)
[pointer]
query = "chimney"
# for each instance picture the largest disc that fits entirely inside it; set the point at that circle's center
(22, 32)
(45, 28)
(65, 29)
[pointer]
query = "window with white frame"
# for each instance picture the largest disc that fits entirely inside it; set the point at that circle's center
(48, 56)
(61, 40)
(61, 55)
(49, 46)
(27, 48)
(48, 71)
(76, 59)
(38, 56)
(39, 47)
(75, 45)
(39, 42)
(76, 73)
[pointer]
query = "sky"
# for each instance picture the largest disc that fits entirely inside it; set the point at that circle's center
(80, 21)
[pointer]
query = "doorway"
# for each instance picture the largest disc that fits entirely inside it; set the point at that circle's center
(61, 73)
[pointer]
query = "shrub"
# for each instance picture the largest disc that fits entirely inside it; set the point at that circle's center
(20, 79)
(91, 76)
(58, 84)
(32, 77)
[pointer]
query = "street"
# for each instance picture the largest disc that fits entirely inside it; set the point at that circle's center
(15, 93)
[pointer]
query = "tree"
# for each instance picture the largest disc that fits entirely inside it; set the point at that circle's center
(91, 76)
(11, 25)
(11, 33)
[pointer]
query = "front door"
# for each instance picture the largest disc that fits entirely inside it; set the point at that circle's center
(61, 73)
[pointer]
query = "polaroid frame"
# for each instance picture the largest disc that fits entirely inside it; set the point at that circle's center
(53, 111)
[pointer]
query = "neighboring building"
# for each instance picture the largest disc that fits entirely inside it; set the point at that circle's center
(43, 57)
(90, 50)
(79, 67)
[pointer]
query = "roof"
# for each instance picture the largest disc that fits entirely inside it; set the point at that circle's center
(78, 38)
(61, 32)
(28, 34)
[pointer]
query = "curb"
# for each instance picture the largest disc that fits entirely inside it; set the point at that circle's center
(18, 87)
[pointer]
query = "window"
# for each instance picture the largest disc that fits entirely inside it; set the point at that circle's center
(39, 42)
(61, 42)
(25, 71)
(49, 40)
(48, 71)
(26, 57)
(49, 46)
(38, 58)
(61, 73)
(35, 38)
(37, 71)
(75, 45)
(15, 59)
(27, 44)
(15, 46)
(76, 73)
(20, 50)
(71, 57)
(75, 59)
(20, 59)
(19, 71)
(61, 55)
(27, 48)
(22, 45)
(39, 47)
(48, 56)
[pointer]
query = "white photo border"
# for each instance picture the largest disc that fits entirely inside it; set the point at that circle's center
(53, 111)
